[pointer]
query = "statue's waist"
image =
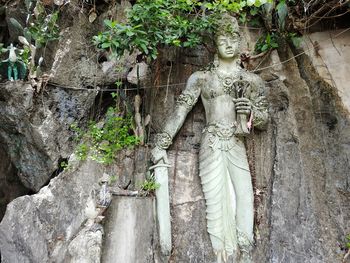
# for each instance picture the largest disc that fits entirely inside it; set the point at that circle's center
(223, 130)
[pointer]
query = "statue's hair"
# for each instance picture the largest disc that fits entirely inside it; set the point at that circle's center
(228, 25)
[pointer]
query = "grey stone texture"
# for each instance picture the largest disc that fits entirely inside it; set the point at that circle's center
(75, 62)
(190, 242)
(39, 228)
(10, 185)
(329, 53)
(62, 222)
(86, 247)
(129, 231)
(34, 128)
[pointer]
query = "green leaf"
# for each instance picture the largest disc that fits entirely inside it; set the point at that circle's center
(106, 45)
(264, 47)
(108, 23)
(282, 12)
(296, 41)
(268, 39)
(155, 24)
(144, 48)
(16, 24)
(130, 33)
(27, 34)
(154, 55)
(254, 11)
(176, 42)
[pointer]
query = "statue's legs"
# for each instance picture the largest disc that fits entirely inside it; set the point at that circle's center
(242, 183)
(15, 73)
(220, 206)
(9, 73)
(241, 180)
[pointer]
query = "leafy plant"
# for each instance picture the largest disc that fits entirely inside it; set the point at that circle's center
(267, 42)
(41, 26)
(64, 165)
(2, 49)
(103, 140)
(44, 28)
(153, 24)
(149, 185)
(295, 39)
(348, 241)
(24, 55)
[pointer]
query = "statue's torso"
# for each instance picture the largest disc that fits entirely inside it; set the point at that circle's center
(218, 96)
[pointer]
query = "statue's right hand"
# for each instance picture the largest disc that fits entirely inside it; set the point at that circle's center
(157, 154)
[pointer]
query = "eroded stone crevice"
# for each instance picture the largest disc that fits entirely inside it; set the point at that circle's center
(10, 184)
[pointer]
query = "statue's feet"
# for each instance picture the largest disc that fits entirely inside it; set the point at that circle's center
(221, 256)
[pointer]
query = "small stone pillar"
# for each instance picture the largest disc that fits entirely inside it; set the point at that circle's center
(129, 230)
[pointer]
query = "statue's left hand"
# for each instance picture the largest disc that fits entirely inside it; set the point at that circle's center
(243, 105)
(158, 154)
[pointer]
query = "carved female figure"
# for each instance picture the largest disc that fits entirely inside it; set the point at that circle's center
(233, 99)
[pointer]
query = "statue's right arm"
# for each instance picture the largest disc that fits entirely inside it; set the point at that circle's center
(173, 123)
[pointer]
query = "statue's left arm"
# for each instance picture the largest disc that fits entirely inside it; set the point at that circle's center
(173, 123)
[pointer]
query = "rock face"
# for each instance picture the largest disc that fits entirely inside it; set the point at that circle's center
(61, 223)
(75, 62)
(190, 242)
(329, 53)
(87, 246)
(10, 185)
(42, 227)
(34, 129)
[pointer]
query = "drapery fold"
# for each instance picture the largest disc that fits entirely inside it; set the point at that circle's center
(215, 158)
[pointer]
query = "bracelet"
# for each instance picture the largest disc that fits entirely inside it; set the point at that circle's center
(163, 140)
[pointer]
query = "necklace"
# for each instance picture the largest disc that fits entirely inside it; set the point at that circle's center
(227, 81)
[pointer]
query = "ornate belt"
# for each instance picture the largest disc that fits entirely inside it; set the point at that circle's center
(223, 130)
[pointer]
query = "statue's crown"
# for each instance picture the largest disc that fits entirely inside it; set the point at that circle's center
(227, 25)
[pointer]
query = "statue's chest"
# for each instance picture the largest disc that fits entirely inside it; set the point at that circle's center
(233, 85)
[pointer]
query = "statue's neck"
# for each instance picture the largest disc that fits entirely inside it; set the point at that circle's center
(228, 65)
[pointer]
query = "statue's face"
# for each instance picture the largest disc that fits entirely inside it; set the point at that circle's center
(228, 45)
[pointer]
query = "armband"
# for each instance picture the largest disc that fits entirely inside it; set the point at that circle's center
(187, 100)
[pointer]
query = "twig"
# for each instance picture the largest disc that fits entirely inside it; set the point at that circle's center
(347, 11)
(334, 45)
(346, 255)
(266, 55)
(167, 83)
(324, 16)
(258, 55)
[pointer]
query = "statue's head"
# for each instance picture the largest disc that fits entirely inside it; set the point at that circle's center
(227, 37)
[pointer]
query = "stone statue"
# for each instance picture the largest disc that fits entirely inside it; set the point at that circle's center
(12, 67)
(233, 100)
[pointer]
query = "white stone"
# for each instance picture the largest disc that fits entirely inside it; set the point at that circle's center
(330, 54)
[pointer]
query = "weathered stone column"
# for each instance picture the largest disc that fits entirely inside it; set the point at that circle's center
(129, 230)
